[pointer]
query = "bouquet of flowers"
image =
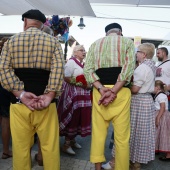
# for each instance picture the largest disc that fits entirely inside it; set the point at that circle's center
(79, 80)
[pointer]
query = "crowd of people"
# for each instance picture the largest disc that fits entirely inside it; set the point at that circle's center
(149, 114)
(42, 95)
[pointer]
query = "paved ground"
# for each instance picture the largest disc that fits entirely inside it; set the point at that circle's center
(81, 160)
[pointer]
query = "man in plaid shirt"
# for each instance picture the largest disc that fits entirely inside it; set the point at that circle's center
(31, 68)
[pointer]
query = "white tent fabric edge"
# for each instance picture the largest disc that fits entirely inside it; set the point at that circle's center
(134, 2)
(50, 7)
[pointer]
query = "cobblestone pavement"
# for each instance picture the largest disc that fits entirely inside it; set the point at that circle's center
(72, 163)
(66, 164)
(81, 160)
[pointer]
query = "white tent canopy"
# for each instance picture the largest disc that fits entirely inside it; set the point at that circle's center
(135, 16)
(70, 7)
(133, 9)
(81, 7)
(135, 2)
(48, 7)
(84, 8)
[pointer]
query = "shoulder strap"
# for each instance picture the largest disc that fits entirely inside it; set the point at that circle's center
(158, 94)
(163, 63)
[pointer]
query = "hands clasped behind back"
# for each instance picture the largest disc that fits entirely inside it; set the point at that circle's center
(107, 96)
(34, 102)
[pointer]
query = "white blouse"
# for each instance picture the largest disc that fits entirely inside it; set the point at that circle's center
(144, 78)
(161, 98)
(72, 69)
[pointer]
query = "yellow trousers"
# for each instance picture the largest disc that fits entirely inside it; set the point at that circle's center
(24, 124)
(118, 113)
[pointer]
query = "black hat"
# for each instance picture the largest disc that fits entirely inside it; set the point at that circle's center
(111, 26)
(34, 14)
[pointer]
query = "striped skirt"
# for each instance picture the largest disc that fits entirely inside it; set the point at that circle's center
(142, 138)
(74, 111)
(163, 133)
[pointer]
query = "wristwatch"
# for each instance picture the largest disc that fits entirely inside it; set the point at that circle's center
(100, 86)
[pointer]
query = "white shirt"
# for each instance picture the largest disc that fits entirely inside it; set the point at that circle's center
(163, 73)
(144, 78)
(161, 98)
(72, 69)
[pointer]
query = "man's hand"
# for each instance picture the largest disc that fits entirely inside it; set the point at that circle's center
(43, 101)
(28, 99)
(34, 102)
(103, 90)
(107, 97)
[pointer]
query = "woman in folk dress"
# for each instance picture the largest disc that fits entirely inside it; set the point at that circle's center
(74, 105)
(142, 139)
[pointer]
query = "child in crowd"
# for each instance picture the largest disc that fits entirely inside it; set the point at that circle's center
(162, 121)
